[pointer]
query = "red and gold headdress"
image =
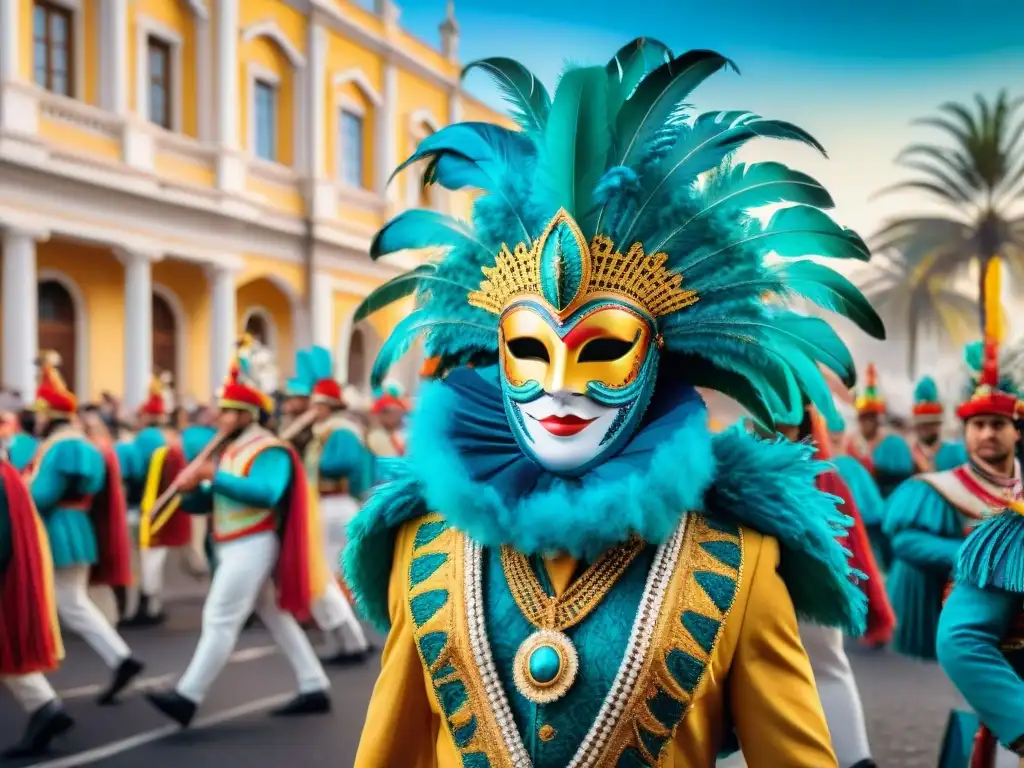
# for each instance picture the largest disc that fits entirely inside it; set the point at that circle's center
(52, 394)
(241, 392)
(156, 403)
(870, 401)
(988, 399)
(390, 397)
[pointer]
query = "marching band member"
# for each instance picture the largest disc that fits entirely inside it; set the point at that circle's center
(30, 642)
(258, 497)
(338, 467)
(77, 490)
(158, 459)
(572, 570)
(931, 453)
(928, 517)
(295, 404)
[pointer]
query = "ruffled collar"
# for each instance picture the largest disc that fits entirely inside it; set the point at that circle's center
(473, 472)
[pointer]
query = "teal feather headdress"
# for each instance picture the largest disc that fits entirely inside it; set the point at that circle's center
(926, 391)
(974, 354)
(615, 153)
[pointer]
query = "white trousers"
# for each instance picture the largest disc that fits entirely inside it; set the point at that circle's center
(80, 615)
(332, 611)
(242, 583)
(152, 563)
(30, 691)
(838, 691)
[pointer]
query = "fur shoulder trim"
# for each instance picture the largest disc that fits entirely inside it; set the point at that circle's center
(993, 555)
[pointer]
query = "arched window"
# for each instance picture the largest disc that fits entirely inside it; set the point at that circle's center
(57, 326)
(358, 369)
(165, 338)
(257, 327)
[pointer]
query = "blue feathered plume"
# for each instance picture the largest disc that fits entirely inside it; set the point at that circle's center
(615, 148)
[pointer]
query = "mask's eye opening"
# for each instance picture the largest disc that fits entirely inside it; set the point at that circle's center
(527, 348)
(605, 350)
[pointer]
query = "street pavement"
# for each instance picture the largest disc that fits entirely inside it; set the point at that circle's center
(907, 704)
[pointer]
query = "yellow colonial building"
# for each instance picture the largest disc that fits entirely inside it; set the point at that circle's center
(175, 171)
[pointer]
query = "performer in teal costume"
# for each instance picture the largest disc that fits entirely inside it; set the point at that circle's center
(932, 453)
(928, 517)
(23, 448)
(560, 462)
(884, 454)
(981, 639)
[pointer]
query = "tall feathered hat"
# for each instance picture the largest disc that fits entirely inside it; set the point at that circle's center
(992, 396)
(928, 407)
(52, 394)
(389, 395)
(610, 189)
(157, 402)
(315, 375)
(870, 400)
(241, 389)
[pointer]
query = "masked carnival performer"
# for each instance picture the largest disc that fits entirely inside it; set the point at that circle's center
(30, 642)
(338, 467)
(567, 561)
(833, 674)
(928, 517)
(929, 450)
(158, 459)
(77, 490)
(258, 497)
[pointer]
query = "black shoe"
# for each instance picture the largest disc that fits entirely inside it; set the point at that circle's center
(123, 675)
(142, 620)
(46, 724)
(349, 659)
(316, 703)
(174, 705)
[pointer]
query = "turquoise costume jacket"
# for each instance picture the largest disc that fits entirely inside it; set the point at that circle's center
(138, 454)
(950, 455)
(345, 458)
(925, 532)
(893, 462)
(69, 469)
(980, 639)
(21, 450)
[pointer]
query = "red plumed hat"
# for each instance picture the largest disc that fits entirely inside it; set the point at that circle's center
(988, 399)
(240, 391)
(52, 394)
(156, 403)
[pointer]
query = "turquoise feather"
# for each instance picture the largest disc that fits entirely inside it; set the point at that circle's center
(528, 99)
(576, 142)
(398, 288)
(801, 231)
(405, 334)
(629, 66)
(321, 363)
(418, 229)
(830, 290)
(304, 369)
(992, 557)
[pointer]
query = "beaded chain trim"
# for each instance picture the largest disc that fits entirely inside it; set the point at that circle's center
(582, 596)
(590, 750)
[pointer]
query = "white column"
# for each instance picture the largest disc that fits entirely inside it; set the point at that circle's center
(227, 73)
(323, 310)
(20, 310)
(388, 133)
(138, 325)
(9, 34)
(114, 56)
(317, 68)
(204, 83)
(223, 323)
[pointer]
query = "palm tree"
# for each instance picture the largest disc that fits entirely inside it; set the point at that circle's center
(978, 178)
(909, 298)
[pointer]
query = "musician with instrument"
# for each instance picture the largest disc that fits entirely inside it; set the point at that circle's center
(338, 466)
(158, 459)
(77, 491)
(256, 490)
(30, 642)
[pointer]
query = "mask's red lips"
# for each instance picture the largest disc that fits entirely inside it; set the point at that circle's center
(564, 426)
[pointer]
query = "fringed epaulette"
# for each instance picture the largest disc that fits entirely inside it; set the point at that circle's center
(993, 555)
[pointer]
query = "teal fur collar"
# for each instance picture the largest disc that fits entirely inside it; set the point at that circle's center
(459, 465)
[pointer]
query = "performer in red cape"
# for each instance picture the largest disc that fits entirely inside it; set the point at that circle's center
(77, 490)
(30, 642)
(257, 494)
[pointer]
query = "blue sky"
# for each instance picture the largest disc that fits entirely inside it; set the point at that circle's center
(852, 72)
